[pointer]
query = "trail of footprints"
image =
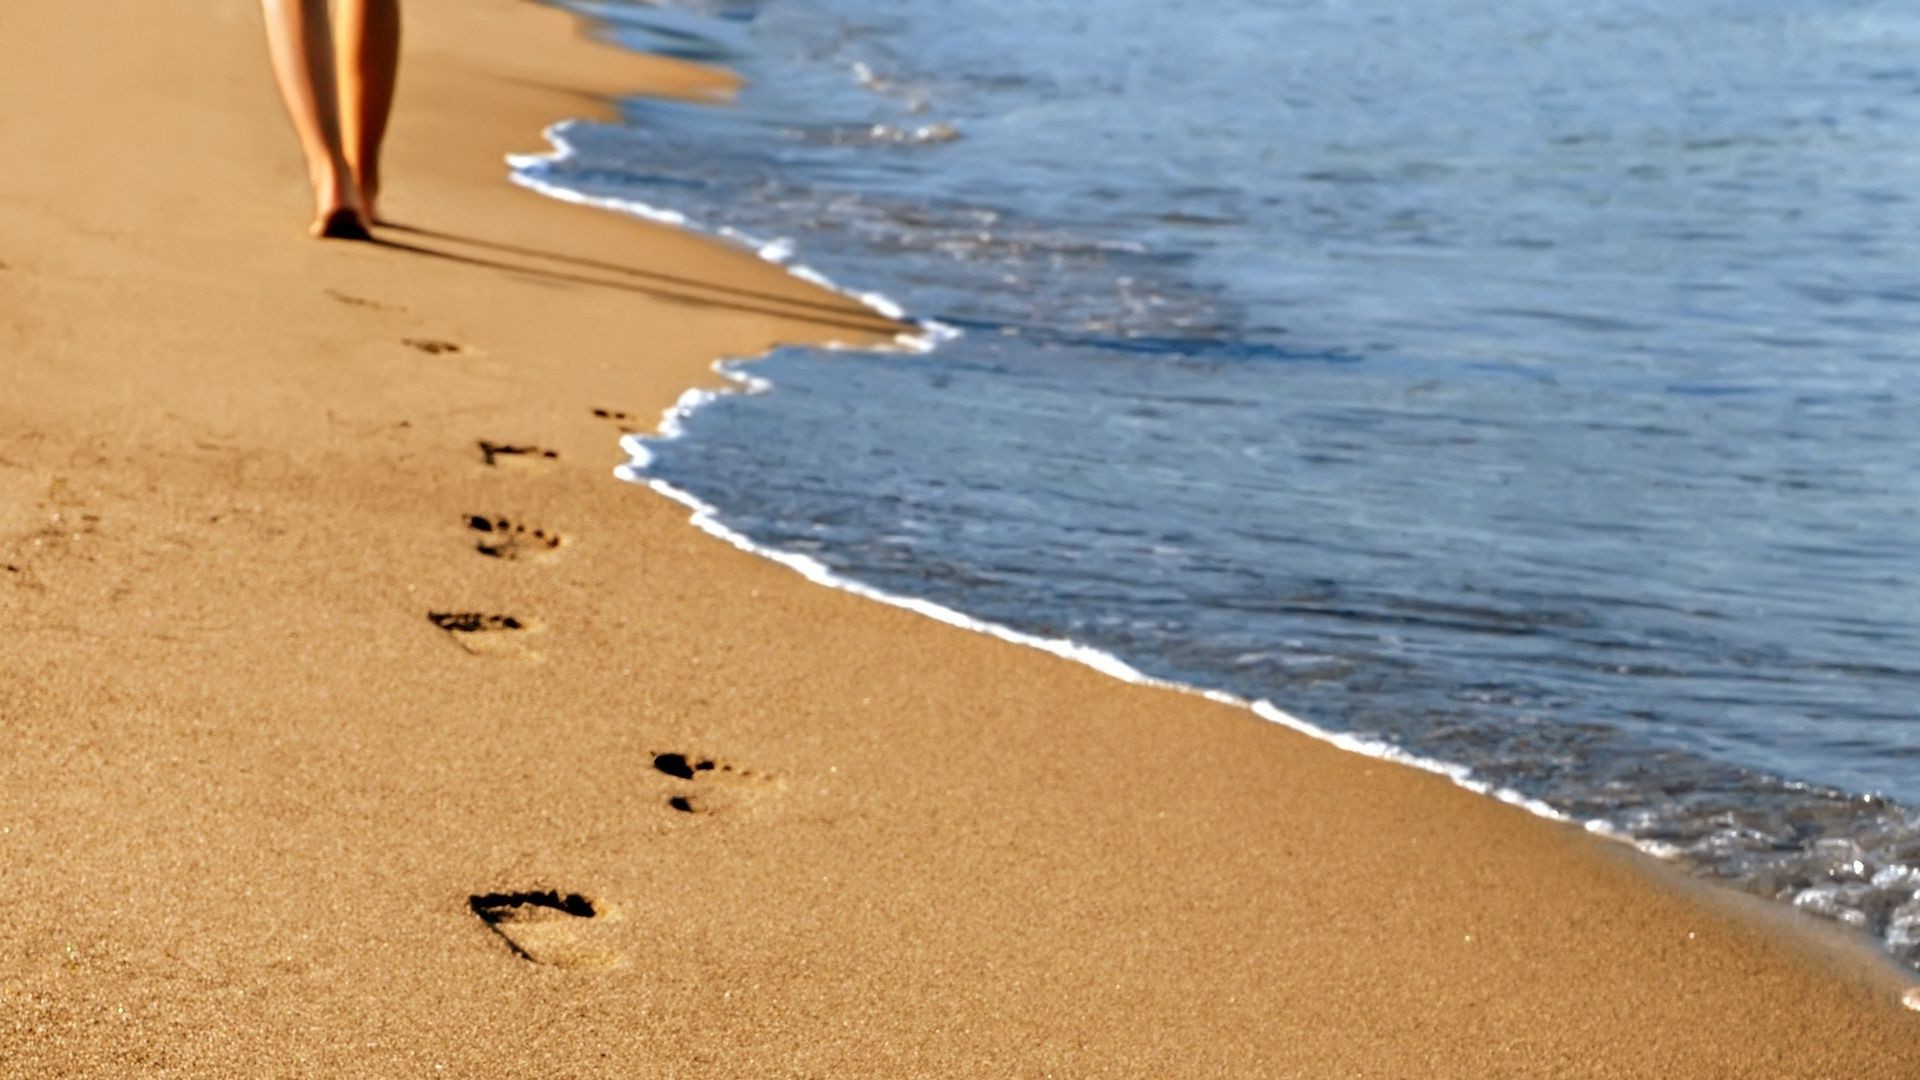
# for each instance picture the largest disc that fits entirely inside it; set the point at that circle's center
(550, 926)
(541, 926)
(570, 929)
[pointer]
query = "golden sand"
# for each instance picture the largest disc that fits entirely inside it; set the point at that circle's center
(306, 773)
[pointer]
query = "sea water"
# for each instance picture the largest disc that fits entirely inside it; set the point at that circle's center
(1532, 387)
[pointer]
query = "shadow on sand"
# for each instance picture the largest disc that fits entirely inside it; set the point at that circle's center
(564, 269)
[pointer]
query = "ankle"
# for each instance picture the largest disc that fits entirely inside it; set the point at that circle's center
(366, 184)
(334, 188)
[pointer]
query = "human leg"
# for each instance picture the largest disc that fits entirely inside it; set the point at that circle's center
(368, 57)
(300, 42)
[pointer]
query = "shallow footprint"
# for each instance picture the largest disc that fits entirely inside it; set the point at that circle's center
(628, 423)
(502, 455)
(360, 301)
(548, 927)
(713, 786)
(434, 346)
(504, 539)
(480, 633)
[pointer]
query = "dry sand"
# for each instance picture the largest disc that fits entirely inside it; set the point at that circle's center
(260, 816)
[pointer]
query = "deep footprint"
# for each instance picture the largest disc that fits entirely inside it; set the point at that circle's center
(547, 927)
(480, 633)
(503, 539)
(473, 622)
(503, 454)
(721, 784)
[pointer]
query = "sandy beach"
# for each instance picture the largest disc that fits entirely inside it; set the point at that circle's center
(359, 722)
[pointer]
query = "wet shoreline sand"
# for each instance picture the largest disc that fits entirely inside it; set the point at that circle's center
(356, 717)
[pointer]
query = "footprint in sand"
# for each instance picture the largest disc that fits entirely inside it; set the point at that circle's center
(628, 423)
(711, 786)
(482, 634)
(434, 346)
(549, 927)
(504, 539)
(508, 455)
(361, 301)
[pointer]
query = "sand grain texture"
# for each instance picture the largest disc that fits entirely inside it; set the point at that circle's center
(253, 797)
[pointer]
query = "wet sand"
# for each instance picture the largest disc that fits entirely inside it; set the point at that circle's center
(357, 722)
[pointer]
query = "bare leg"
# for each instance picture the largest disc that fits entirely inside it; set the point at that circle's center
(300, 41)
(369, 66)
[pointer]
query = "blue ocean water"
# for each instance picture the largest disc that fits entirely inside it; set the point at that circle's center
(1531, 385)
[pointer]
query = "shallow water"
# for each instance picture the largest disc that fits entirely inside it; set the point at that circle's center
(1531, 385)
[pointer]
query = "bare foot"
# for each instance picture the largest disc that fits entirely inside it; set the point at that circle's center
(338, 212)
(342, 224)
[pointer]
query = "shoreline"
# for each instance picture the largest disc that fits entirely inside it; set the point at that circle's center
(529, 171)
(914, 334)
(259, 791)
